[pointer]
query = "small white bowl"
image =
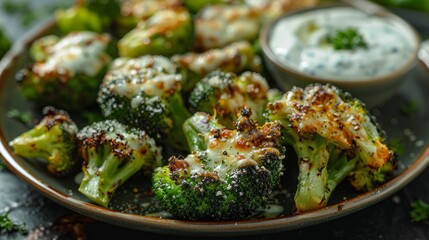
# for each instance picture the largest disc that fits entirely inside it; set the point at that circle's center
(373, 91)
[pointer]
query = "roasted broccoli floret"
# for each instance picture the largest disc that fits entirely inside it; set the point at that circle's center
(112, 153)
(219, 25)
(88, 15)
(145, 93)
(52, 141)
(226, 94)
(4, 43)
(237, 57)
(167, 32)
(67, 72)
(319, 121)
(229, 173)
(133, 11)
(272, 9)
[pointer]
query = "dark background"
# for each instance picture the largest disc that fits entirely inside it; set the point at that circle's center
(44, 219)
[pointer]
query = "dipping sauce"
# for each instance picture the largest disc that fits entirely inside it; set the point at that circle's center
(304, 43)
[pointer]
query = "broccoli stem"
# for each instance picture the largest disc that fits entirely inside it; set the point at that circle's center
(179, 115)
(35, 143)
(313, 157)
(193, 128)
(91, 185)
(339, 167)
(192, 131)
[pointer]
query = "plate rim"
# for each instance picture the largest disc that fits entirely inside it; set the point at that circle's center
(186, 227)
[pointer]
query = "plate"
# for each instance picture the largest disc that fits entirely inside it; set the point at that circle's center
(133, 207)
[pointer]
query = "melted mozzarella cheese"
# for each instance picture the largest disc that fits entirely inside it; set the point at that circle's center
(82, 52)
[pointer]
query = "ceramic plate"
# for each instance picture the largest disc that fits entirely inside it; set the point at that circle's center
(133, 207)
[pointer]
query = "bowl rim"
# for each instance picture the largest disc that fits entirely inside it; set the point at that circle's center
(365, 6)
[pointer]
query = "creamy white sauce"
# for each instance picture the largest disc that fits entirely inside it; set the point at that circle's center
(300, 42)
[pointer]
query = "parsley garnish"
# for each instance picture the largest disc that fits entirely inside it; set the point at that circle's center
(347, 39)
(419, 211)
(7, 226)
(23, 117)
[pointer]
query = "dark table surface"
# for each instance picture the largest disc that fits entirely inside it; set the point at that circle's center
(44, 219)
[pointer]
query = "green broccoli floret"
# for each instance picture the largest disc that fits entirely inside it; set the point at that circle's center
(88, 15)
(4, 43)
(133, 11)
(236, 57)
(319, 121)
(229, 173)
(219, 25)
(112, 153)
(226, 94)
(145, 93)
(167, 32)
(67, 72)
(52, 141)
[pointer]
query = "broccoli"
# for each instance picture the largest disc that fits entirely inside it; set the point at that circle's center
(133, 11)
(236, 57)
(4, 43)
(272, 9)
(112, 153)
(52, 141)
(228, 174)
(225, 94)
(67, 72)
(167, 32)
(145, 93)
(219, 25)
(87, 15)
(334, 136)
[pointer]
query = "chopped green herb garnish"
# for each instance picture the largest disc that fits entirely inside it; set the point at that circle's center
(419, 211)
(7, 226)
(23, 117)
(397, 145)
(347, 39)
(409, 108)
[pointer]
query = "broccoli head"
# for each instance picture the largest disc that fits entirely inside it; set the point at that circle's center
(225, 94)
(334, 136)
(68, 72)
(112, 153)
(145, 93)
(236, 57)
(228, 174)
(167, 32)
(52, 141)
